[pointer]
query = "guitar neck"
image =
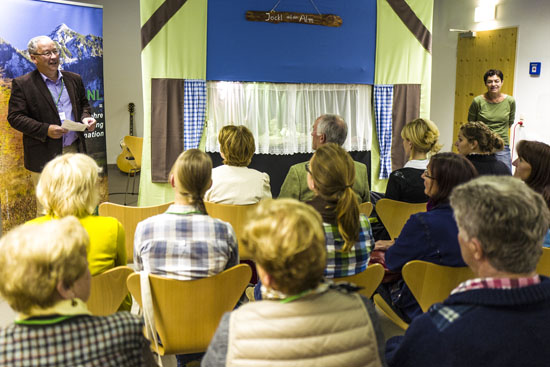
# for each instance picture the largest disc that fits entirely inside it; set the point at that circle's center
(131, 109)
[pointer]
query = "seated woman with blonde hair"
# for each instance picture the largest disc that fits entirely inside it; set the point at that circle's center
(478, 143)
(233, 182)
(301, 321)
(348, 235)
(45, 277)
(69, 186)
(420, 138)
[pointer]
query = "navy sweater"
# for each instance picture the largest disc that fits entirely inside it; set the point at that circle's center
(430, 236)
(483, 327)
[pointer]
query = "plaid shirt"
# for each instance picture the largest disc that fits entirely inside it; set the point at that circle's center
(184, 244)
(496, 283)
(115, 340)
(343, 264)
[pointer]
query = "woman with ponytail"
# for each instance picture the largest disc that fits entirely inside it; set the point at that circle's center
(184, 242)
(478, 143)
(348, 235)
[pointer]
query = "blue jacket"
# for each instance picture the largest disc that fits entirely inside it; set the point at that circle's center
(482, 327)
(429, 236)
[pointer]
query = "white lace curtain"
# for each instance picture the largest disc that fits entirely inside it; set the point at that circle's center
(281, 116)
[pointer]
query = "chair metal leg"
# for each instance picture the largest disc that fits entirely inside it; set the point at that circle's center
(127, 184)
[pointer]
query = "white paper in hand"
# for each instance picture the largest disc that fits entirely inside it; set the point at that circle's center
(73, 126)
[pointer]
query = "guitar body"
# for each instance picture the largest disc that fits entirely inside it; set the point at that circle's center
(122, 160)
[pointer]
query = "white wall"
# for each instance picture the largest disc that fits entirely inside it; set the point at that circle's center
(122, 70)
(532, 94)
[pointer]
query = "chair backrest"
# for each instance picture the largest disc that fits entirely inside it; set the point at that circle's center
(394, 214)
(365, 208)
(431, 283)
(386, 309)
(130, 216)
(135, 146)
(369, 279)
(236, 215)
(543, 266)
(187, 312)
(108, 290)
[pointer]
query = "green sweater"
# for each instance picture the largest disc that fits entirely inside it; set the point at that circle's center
(497, 116)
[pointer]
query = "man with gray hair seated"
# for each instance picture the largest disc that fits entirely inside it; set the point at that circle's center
(502, 317)
(326, 129)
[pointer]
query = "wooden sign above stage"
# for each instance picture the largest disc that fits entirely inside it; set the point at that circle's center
(329, 20)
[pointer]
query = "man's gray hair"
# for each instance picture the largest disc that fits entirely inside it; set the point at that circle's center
(508, 218)
(334, 127)
(32, 46)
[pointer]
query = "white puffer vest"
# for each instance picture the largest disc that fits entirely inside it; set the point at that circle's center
(327, 329)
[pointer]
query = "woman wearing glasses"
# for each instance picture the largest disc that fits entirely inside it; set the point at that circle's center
(429, 236)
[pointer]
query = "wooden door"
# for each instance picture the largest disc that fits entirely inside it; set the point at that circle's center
(487, 50)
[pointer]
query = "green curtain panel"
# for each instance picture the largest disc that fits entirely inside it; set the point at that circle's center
(403, 41)
(173, 34)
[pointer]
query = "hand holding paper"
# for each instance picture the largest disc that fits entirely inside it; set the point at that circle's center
(73, 126)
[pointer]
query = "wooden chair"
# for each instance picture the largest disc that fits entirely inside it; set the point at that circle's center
(394, 214)
(134, 145)
(108, 291)
(187, 312)
(365, 208)
(543, 267)
(236, 215)
(389, 312)
(369, 279)
(431, 283)
(130, 216)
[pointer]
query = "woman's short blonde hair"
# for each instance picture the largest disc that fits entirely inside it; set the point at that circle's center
(237, 145)
(69, 186)
(423, 134)
(35, 257)
(286, 238)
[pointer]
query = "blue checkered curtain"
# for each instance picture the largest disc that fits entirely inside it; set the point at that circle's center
(383, 103)
(194, 108)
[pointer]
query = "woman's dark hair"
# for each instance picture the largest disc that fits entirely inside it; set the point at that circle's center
(449, 170)
(493, 72)
(487, 140)
(537, 154)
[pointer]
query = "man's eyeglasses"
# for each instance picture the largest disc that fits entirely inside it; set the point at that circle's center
(49, 53)
(307, 168)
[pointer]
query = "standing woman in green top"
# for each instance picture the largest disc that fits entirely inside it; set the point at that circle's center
(496, 110)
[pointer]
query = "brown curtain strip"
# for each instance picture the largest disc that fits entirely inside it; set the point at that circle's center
(406, 107)
(166, 126)
(415, 25)
(159, 19)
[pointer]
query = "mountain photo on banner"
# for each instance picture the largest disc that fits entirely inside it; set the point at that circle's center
(80, 52)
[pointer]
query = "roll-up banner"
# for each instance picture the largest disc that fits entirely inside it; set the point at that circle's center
(78, 31)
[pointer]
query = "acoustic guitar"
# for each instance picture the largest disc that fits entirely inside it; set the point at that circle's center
(123, 158)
